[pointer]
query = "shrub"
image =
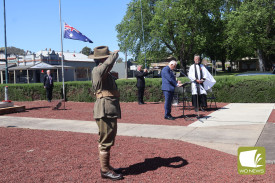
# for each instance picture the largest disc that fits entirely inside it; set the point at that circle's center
(232, 89)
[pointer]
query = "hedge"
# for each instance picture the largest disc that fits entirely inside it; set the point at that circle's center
(231, 89)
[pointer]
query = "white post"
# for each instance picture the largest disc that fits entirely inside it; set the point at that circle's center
(126, 69)
(28, 76)
(143, 35)
(14, 76)
(1, 77)
(57, 75)
(6, 93)
(62, 57)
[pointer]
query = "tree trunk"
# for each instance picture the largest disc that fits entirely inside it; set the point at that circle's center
(261, 60)
(183, 64)
(223, 65)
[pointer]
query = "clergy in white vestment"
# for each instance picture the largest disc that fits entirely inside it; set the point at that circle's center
(202, 81)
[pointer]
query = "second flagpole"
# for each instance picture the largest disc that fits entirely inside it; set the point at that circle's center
(62, 57)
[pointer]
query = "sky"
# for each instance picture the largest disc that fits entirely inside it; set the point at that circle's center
(34, 25)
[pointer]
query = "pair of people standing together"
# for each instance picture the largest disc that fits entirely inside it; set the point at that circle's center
(201, 80)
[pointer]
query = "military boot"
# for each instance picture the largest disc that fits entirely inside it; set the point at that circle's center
(106, 172)
(116, 170)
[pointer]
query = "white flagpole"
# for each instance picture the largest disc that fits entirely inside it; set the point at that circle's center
(144, 49)
(6, 58)
(62, 59)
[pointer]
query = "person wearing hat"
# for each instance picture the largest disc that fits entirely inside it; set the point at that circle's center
(106, 108)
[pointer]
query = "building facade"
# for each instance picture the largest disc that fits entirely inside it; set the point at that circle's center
(32, 67)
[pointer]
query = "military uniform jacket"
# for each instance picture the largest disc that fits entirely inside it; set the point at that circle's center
(106, 106)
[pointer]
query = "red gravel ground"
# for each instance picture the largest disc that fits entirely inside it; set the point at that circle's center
(271, 118)
(150, 113)
(51, 156)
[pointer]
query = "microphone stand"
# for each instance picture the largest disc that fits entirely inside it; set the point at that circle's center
(183, 115)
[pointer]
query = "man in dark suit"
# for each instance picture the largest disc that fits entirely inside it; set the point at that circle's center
(48, 85)
(168, 87)
(140, 83)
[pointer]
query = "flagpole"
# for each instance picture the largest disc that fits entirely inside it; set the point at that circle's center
(62, 59)
(6, 58)
(144, 49)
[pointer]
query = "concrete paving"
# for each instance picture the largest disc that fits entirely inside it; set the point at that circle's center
(267, 140)
(237, 114)
(225, 130)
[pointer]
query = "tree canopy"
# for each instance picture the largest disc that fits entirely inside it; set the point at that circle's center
(13, 50)
(218, 29)
(251, 29)
(86, 51)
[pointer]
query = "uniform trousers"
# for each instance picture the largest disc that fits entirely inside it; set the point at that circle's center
(107, 132)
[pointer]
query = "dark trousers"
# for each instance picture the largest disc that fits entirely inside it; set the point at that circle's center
(202, 100)
(49, 93)
(140, 94)
(168, 102)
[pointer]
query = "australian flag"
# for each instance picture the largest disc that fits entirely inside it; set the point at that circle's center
(72, 33)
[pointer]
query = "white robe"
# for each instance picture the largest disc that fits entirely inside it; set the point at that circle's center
(207, 84)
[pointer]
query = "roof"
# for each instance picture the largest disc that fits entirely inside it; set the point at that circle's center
(68, 56)
(3, 66)
(39, 65)
(159, 64)
(76, 57)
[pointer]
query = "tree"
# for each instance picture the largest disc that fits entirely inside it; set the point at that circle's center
(215, 29)
(13, 50)
(130, 34)
(171, 27)
(250, 30)
(86, 51)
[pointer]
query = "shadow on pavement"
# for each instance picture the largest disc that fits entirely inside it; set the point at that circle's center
(151, 164)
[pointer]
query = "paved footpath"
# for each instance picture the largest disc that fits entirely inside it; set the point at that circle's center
(225, 130)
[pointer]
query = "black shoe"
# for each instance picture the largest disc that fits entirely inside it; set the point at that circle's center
(143, 102)
(111, 175)
(169, 118)
(140, 103)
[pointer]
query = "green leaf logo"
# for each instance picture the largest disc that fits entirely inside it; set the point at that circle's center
(251, 160)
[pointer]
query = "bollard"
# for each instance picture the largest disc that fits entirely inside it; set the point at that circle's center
(6, 93)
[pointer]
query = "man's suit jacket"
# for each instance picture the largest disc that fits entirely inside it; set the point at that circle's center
(168, 79)
(47, 83)
(140, 78)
